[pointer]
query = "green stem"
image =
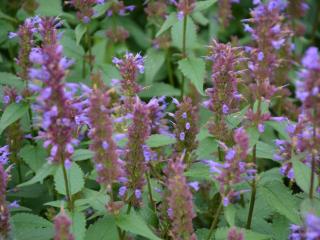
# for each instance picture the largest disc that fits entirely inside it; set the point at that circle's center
(313, 161)
(315, 23)
(169, 67)
(215, 220)
(184, 40)
(89, 50)
(150, 192)
(66, 184)
(253, 192)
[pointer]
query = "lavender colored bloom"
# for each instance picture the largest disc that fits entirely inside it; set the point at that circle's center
(309, 231)
(104, 147)
(157, 107)
(234, 234)
(4, 155)
(138, 132)
(179, 201)
(194, 185)
(85, 8)
(186, 119)
(137, 193)
(184, 8)
(4, 210)
(225, 11)
(118, 7)
(62, 226)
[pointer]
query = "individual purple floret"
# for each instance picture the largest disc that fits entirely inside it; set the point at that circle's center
(4, 210)
(58, 126)
(157, 107)
(62, 227)
(179, 201)
(234, 170)
(184, 7)
(135, 161)
(234, 234)
(186, 126)
(107, 163)
(85, 8)
(310, 230)
(118, 7)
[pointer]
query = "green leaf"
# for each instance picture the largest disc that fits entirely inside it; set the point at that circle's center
(230, 214)
(203, 5)
(34, 156)
(75, 179)
(7, 17)
(159, 140)
(29, 226)
(82, 154)
(135, 224)
(280, 127)
(265, 150)
(280, 199)
(11, 80)
(280, 227)
(191, 34)
(12, 113)
(78, 227)
(194, 69)
(79, 32)
(235, 119)
(199, 171)
(302, 174)
(52, 9)
(103, 229)
(45, 171)
(170, 21)
(100, 9)
(206, 148)
(153, 63)
(158, 90)
(71, 49)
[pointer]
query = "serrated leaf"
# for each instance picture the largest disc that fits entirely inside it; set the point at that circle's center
(194, 69)
(170, 21)
(135, 224)
(191, 34)
(159, 140)
(265, 150)
(29, 226)
(279, 198)
(154, 60)
(78, 227)
(75, 179)
(79, 31)
(12, 113)
(12, 80)
(45, 171)
(206, 148)
(158, 90)
(203, 5)
(34, 156)
(103, 229)
(199, 171)
(82, 154)
(302, 174)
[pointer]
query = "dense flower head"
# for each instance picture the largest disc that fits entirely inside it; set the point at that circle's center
(4, 211)
(157, 107)
(118, 7)
(271, 35)
(186, 125)
(179, 201)
(234, 234)
(225, 11)
(62, 227)
(184, 7)
(118, 34)
(234, 170)
(297, 8)
(106, 159)
(53, 102)
(85, 8)
(308, 87)
(310, 230)
(156, 10)
(135, 159)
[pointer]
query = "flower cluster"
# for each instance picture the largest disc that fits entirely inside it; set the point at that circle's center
(184, 7)
(234, 234)
(297, 8)
(179, 201)
(58, 124)
(118, 34)
(225, 11)
(129, 66)
(232, 171)
(107, 163)
(223, 96)
(4, 211)
(62, 226)
(156, 10)
(157, 109)
(118, 7)
(85, 8)
(310, 231)
(135, 159)
(271, 35)
(186, 126)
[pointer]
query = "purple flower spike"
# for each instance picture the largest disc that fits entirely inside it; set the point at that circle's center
(62, 226)
(4, 210)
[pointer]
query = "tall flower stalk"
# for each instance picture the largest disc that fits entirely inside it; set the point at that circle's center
(4, 210)
(53, 101)
(62, 227)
